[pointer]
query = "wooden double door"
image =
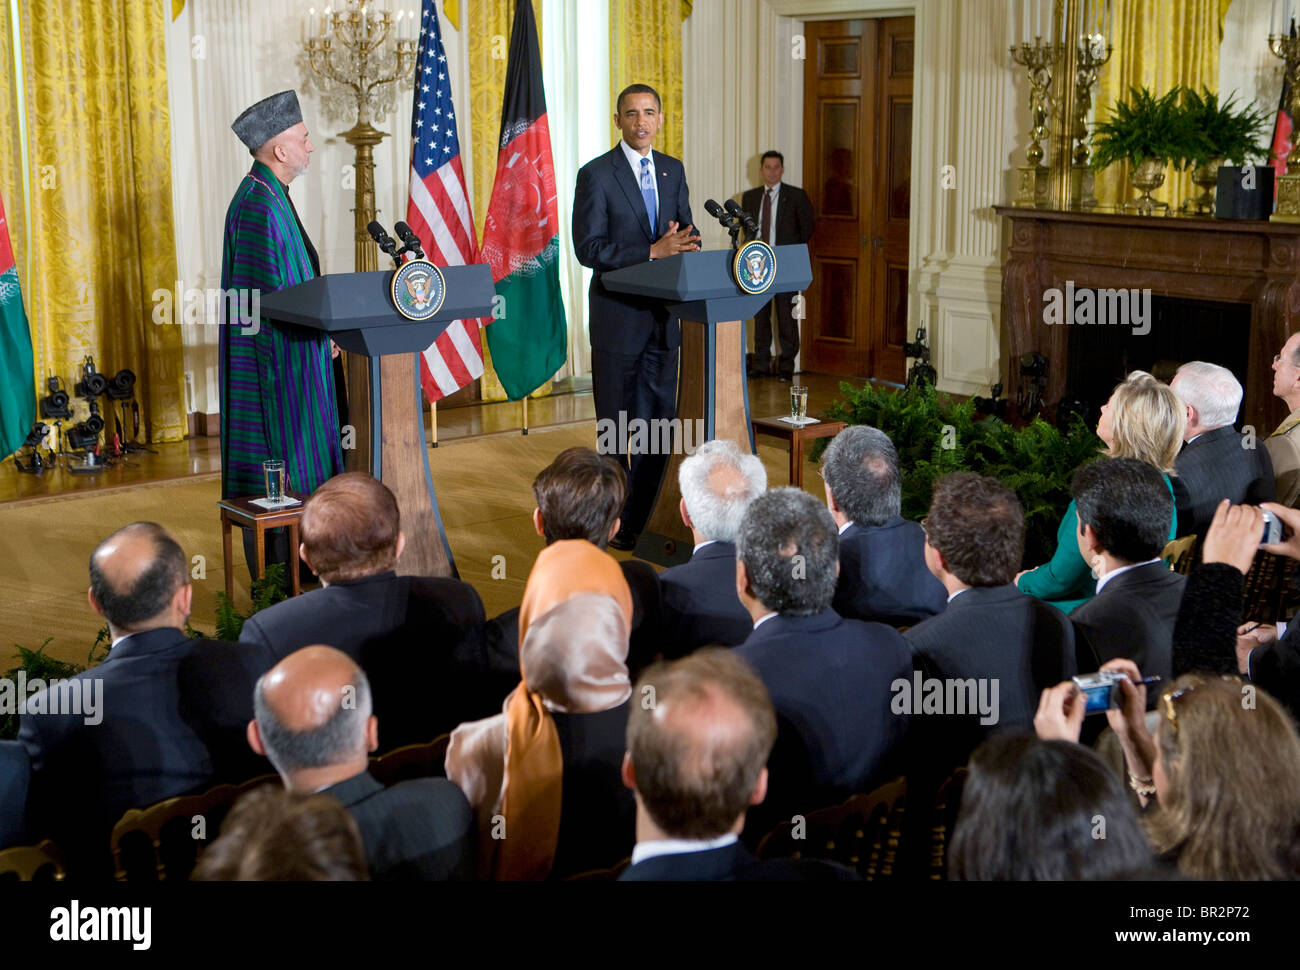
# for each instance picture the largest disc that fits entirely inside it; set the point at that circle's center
(857, 156)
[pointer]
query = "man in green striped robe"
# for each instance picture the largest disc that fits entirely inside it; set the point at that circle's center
(277, 381)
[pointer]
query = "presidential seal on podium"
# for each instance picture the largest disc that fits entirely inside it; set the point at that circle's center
(418, 289)
(754, 267)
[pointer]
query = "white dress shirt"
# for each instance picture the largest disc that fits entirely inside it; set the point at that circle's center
(764, 618)
(1107, 577)
(648, 850)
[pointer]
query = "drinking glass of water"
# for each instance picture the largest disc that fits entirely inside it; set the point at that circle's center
(798, 402)
(274, 472)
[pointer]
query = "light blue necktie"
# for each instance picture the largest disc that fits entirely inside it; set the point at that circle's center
(648, 195)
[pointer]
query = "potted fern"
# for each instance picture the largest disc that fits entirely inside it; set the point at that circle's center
(1148, 132)
(1228, 133)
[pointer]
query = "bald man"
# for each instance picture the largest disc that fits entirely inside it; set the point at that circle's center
(314, 722)
(700, 605)
(114, 737)
(696, 761)
(418, 638)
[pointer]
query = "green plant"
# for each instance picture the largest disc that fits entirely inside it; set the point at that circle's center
(935, 435)
(37, 664)
(1225, 131)
(1146, 127)
(266, 591)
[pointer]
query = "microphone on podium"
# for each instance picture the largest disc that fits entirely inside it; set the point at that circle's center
(411, 239)
(385, 241)
(712, 208)
(731, 206)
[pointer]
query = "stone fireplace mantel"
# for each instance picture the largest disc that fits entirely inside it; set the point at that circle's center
(1220, 260)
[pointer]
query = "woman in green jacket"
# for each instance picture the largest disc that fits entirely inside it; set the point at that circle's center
(1143, 419)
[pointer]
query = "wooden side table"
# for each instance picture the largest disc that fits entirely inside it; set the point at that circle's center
(243, 513)
(796, 436)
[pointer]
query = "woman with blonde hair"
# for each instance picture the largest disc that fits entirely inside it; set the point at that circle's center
(559, 741)
(1144, 420)
(1224, 769)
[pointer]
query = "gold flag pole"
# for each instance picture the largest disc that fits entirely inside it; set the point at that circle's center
(524, 429)
(433, 423)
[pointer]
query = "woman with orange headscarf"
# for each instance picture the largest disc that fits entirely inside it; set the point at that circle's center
(559, 741)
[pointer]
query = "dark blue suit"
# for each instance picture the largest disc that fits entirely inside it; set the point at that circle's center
(733, 863)
(999, 635)
(829, 679)
(15, 772)
(700, 605)
(85, 776)
(634, 342)
(883, 575)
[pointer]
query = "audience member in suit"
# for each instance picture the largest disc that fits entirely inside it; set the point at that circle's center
(695, 758)
(784, 215)
(314, 722)
(1284, 443)
(1143, 419)
(275, 835)
(1029, 813)
(15, 774)
(989, 631)
(700, 605)
(545, 772)
(216, 682)
(419, 638)
(630, 205)
(831, 679)
(579, 496)
(883, 575)
(1216, 463)
(1123, 509)
(126, 743)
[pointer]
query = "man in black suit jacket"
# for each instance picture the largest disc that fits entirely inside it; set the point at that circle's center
(695, 760)
(15, 775)
(700, 605)
(419, 638)
(1216, 462)
(314, 723)
(579, 496)
(832, 680)
(632, 205)
(115, 737)
(784, 215)
(1008, 645)
(1124, 509)
(883, 575)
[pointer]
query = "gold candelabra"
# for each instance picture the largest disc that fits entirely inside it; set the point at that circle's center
(1093, 53)
(1288, 185)
(345, 53)
(1039, 60)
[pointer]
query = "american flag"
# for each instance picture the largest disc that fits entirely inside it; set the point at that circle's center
(438, 211)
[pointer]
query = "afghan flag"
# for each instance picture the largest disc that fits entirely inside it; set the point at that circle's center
(521, 239)
(17, 370)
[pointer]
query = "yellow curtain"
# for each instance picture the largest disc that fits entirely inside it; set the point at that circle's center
(100, 202)
(13, 182)
(1158, 44)
(645, 47)
(489, 45)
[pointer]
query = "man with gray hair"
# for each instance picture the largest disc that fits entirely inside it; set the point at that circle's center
(1216, 462)
(699, 605)
(883, 575)
(314, 722)
(830, 678)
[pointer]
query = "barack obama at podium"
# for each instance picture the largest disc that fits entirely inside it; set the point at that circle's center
(631, 205)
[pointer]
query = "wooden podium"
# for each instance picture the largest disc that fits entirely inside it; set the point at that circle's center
(700, 289)
(387, 404)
